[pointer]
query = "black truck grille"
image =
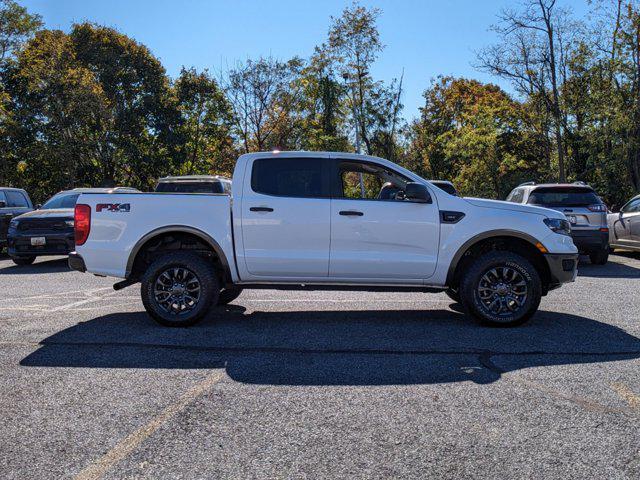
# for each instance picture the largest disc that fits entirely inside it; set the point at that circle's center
(56, 225)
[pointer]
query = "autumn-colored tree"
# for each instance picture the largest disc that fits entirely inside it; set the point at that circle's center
(207, 144)
(475, 135)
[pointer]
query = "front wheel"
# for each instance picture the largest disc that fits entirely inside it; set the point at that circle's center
(501, 289)
(24, 260)
(179, 288)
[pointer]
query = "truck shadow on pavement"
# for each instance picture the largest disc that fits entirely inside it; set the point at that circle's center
(389, 347)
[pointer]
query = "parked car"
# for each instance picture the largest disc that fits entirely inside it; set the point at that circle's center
(445, 185)
(584, 209)
(194, 184)
(49, 229)
(311, 220)
(624, 226)
(13, 201)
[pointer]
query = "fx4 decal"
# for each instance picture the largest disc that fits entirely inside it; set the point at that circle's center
(113, 207)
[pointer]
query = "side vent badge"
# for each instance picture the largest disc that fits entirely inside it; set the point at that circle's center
(450, 217)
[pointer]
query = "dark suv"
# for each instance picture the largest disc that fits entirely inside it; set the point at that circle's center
(13, 202)
(49, 229)
(584, 209)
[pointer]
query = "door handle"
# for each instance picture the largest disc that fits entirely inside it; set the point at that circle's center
(261, 209)
(351, 213)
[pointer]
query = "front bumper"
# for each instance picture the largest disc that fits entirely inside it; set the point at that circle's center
(589, 241)
(76, 262)
(563, 268)
(19, 244)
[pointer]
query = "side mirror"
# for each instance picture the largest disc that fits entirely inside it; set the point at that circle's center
(3, 204)
(417, 192)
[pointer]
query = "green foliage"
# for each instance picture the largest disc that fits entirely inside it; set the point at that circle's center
(475, 135)
(207, 120)
(16, 26)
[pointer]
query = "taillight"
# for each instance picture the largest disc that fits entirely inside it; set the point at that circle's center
(82, 218)
(597, 208)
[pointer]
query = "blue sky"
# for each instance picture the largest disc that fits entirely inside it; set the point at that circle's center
(426, 38)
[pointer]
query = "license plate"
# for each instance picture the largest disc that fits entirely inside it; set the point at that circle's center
(572, 219)
(38, 241)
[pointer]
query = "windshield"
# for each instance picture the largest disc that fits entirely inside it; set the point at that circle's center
(564, 197)
(62, 200)
(190, 187)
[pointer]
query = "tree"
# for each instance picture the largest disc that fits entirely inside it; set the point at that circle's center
(265, 97)
(206, 124)
(139, 130)
(531, 55)
(475, 135)
(354, 42)
(92, 107)
(57, 105)
(16, 26)
(322, 105)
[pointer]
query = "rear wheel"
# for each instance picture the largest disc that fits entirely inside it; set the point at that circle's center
(228, 295)
(599, 257)
(179, 288)
(24, 260)
(501, 289)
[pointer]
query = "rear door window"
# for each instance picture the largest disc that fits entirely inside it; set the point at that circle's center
(16, 199)
(291, 177)
(564, 197)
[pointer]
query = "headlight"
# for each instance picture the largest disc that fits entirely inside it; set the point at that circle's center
(69, 223)
(563, 227)
(13, 224)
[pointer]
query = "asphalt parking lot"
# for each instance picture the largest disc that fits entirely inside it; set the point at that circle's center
(317, 385)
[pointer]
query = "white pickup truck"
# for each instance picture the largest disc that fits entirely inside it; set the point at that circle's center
(319, 220)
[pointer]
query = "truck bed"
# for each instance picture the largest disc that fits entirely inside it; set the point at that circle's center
(122, 222)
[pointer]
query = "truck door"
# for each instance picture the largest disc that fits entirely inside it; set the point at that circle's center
(375, 234)
(286, 217)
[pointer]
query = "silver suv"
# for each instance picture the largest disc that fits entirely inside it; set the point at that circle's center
(581, 205)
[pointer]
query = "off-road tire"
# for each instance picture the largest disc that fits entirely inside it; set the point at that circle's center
(206, 276)
(470, 289)
(24, 260)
